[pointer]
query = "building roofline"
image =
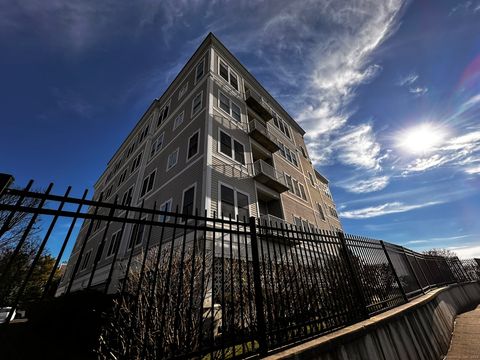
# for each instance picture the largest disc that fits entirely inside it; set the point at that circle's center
(252, 79)
(321, 177)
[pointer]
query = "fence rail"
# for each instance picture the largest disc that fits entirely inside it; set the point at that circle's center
(198, 286)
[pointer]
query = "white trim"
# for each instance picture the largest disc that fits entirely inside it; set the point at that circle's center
(118, 240)
(154, 173)
(176, 159)
(229, 70)
(201, 103)
(207, 170)
(232, 139)
(194, 185)
(201, 61)
(235, 200)
(183, 90)
(230, 102)
(187, 159)
(178, 117)
(167, 218)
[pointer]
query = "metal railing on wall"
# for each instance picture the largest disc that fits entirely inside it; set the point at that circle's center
(192, 286)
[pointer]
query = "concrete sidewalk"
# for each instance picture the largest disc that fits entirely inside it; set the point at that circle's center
(466, 336)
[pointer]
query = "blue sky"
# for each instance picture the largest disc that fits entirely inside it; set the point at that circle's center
(388, 92)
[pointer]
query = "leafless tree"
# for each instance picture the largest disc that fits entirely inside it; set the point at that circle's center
(441, 252)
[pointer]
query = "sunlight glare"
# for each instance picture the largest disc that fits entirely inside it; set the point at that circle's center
(422, 138)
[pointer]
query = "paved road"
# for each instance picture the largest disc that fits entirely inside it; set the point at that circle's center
(466, 336)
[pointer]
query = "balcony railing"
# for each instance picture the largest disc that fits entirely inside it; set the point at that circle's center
(272, 220)
(260, 133)
(266, 174)
(254, 100)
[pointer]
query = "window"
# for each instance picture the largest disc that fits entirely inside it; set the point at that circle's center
(302, 191)
(288, 154)
(333, 212)
(122, 177)
(147, 184)
(282, 126)
(172, 159)
(157, 144)
(239, 152)
(282, 149)
(127, 197)
(227, 144)
(304, 153)
(295, 187)
(188, 201)
(167, 207)
(136, 237)
(178, 120)
(136, 162)
(163, 114)
(312, 181)
(96, 225)
(294, 158)
(243, 206)
(114, 242)
(233, 203)
(306, 226)
(86, 259)
(320, 210)
(200, 70)
(227, 74)
(108, 192)
(197, 103)
(182, 91)
(229, 106)
(288, 179)
(192, 146)
(227, 197)
(143, 134)
(298, 222)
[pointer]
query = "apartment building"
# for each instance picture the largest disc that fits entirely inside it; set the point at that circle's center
(215, 140)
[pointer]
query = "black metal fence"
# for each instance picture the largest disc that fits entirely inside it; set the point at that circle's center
(198, 286)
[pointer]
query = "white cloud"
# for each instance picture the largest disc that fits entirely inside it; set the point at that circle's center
(408, 79)
(467, 252)
(418, 90)
(372, 184)
(384, 209)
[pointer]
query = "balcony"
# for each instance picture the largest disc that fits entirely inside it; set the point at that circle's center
(260, 133)
(254, 100)
(267, 175)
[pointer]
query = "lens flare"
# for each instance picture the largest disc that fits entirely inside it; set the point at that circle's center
(423, 138)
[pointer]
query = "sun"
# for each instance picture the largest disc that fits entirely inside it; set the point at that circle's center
(422, 138)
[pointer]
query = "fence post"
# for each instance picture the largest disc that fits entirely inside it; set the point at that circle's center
(413, 270)
(257, 283)
(397, 279)
(5, 181)
(356, 281)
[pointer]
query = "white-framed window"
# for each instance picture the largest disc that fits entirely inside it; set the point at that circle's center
(157, 144)
(114, 243)
(320, 210)
(227, 74)
(193, 143)
(233, 203)
(304, 153)
(229, 107)
(167, 207)
(127, 197)
(288, 180)
(288, 154)
(148, 183)
(143, 134)
(199, 70)
(197, 103)
(188, 200)
(296, 191)
(333, 212)
(182, 90)
(232, 148)
(172, 159)
(312, 180)
(178, 120)
(136, 236)
(136, 163)
(282, 126)
(303, 195)
(122, 177)
(86, 259)
(163, 114)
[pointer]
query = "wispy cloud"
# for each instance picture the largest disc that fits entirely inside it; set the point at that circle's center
(408, 79)
(439, 239)
(418, 90)
(368, 185)
(384, 209)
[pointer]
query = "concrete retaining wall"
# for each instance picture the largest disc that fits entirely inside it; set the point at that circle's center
(421, 329)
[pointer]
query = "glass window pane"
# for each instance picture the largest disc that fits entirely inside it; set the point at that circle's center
(193, 145)
(223, 71)
(225, 144)
(242, 204)
(236, 112)
(187, 207)
(239, 152)
(233, 80)
(227, 201)
(224, 103)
